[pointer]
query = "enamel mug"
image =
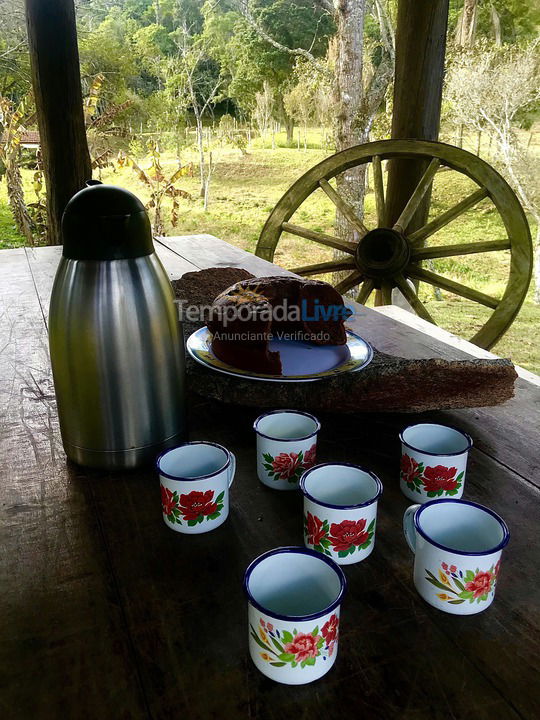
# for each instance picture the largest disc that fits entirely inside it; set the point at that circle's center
(340, 510)
(286, 446)
(433, 461)
(457, 546)
(194, 480)
(294, 598)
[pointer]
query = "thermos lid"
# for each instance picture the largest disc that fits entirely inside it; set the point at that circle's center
(105, 222)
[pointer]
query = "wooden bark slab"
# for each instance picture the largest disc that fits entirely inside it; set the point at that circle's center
(388, 384)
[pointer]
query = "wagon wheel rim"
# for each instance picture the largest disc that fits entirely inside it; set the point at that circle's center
(386, 257)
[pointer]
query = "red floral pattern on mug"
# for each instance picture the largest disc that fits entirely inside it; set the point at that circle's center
(343, 538)
(295, 649)
(197, 504)
(169, 500)
(315, 529)
(193, 507)
(439, 478)
(329, 630)
(480, 584)
(285, 465)
(434, 481)
(303, 646)
(348, 534)
(289, 466)
(410, 469)
(310, 457)
(459, 586)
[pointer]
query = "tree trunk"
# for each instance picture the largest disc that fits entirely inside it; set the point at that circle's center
(348, 98)
(466, 27)
(200, 144)
(15, 193)
(54, 57)
(537, 263)
(289, 128)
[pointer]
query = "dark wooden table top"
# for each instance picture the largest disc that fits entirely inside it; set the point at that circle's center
(105, 613)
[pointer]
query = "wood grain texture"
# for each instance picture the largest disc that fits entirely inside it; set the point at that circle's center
(60, 613)
(112, 615)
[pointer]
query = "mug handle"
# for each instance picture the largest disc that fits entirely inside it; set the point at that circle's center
(232, 468)
(408, 526)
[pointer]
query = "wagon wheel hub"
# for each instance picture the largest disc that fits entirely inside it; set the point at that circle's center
(382, 253)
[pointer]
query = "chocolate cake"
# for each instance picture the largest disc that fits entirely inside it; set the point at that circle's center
(247, 315)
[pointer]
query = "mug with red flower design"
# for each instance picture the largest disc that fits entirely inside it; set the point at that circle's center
(294, 598)
(340, 510)
(433, 461)
(286, 446)
(457, 546)
(194, 480)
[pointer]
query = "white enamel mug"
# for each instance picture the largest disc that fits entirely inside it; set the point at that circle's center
(340, 510)
(286, 446)
(433, 461)
(194, 480)
(294, 598)
(457, 546)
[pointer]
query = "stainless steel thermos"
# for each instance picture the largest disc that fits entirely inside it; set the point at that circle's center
(115, 340)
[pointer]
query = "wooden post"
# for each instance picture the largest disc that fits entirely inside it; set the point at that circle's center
(420, 50)
(54, 57)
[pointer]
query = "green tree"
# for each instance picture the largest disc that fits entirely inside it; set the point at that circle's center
(249, 59)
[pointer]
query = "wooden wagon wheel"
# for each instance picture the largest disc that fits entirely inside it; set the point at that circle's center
(386, 257)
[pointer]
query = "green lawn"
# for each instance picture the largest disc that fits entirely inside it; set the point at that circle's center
(244, 190)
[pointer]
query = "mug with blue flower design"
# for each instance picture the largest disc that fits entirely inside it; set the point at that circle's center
(457, 546)
(294, 600)
(433, 461)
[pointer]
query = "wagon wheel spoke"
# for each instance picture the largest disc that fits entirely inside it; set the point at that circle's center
(379, 191)
(344, 207)
(413, 298)
(383, 295)
(456, 288)
(321, 238)
(386, 293)
(416, 198)
(325, 267)
(365, 291)
(463, 249)
(439, 222)
(349, 282)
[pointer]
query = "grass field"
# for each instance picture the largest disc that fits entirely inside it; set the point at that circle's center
(244, 190)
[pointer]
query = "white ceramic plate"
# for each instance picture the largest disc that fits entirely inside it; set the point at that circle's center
(301, 362)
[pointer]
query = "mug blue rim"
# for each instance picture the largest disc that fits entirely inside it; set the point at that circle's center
(295, 412)
(199, 477)
(378, 483)
(428, 452)
(502, 544)
(299, 550)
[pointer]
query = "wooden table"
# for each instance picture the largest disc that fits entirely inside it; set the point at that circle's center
(107, 614)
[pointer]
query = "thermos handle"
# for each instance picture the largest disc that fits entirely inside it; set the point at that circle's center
(408, 526)
(232, 468)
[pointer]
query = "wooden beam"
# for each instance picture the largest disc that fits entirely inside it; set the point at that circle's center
(54, 57)
(420, 51)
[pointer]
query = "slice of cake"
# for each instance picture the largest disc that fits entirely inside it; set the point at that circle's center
(248, 314)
